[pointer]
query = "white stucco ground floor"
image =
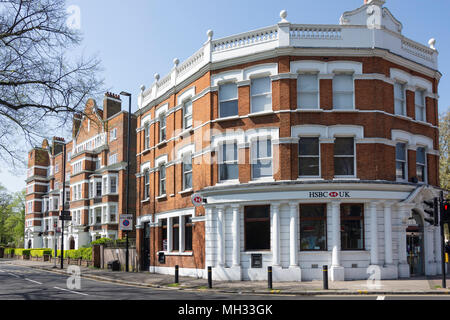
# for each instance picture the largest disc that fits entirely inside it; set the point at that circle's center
(359, 230)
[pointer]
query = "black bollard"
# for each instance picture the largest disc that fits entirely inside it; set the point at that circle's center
(269, 277)
(210, 277)
(325, 277)
(176, 274)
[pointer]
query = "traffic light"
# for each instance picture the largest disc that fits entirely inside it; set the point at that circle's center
(432, 212)
(445, 212)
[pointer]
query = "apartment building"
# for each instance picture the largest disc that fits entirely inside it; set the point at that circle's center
(95, 180)
(312, 144)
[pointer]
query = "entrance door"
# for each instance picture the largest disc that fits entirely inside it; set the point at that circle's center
(72, 244)
(414, 246)
(146, 247)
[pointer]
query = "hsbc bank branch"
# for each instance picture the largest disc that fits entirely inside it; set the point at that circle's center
(313, 144)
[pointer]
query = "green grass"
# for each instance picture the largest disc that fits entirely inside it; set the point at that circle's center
(174, 285)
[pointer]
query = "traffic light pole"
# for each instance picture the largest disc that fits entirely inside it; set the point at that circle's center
(444, 280)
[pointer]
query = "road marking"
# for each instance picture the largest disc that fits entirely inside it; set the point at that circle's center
(32, 281)
(381, 298)
(83, 294)
(13, 275)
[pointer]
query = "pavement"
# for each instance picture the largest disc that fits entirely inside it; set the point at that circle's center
(414, 286)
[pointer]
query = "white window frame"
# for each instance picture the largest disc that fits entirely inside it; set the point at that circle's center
(224, 162)
(111, 178)
(161, 181)
(318, 156)
(425, 165)
(355, 172)
(113, 159)
(147, 184)
(253, 152)
(420, 107)
(162, 129)
(187, 156)
(261, 94)
(146, 136)
(113, 135)
(352, 107)
(308, 92)
(405, 177)
(403, 101)
(187, 116)
(229, 100)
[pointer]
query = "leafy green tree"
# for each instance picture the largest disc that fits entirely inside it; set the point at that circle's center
(15, 223)
(5, 201)
(444, 143)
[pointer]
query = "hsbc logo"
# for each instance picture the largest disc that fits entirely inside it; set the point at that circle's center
(327, 194)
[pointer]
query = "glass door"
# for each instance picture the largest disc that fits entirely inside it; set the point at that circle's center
(414, 246)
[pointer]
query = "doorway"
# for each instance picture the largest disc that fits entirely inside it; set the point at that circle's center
(415, 246)
(72, 244)
(146, 247)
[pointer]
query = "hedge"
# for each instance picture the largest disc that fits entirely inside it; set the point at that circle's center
(40, 252)
(22, 252)
(83, 253)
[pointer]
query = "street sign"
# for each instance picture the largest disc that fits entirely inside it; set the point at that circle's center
(126, 222)
(197, 200)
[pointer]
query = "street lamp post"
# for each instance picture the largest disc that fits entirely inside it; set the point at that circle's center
(63, 206)
(123, 93)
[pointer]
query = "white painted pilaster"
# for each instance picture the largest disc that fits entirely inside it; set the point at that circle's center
(275, 211)
(437, 249)
(209, 237)
(169, 234)
(293, 234)
(220, 237)
(388, 233)
(236, 236)
(373, 234)
(336, 225)
(181, 234)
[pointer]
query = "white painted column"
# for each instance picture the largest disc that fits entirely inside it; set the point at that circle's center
(404, 213)
(430, 264)
(181, 233)
(293, 234)
(373, 234)
(169, 234)
(236, 236)
(388, 260)
(336, 239)
(275, 208)
(210, 252)
(220, 237)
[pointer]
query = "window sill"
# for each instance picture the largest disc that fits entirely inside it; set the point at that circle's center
(164, 196)
(345, 110)
(260, 180)
(257, 252)
(262, 113)
(310, 179)
(186, 132)
(403, 117)
(161, 143)
(166, 253)
(190, 190)
(146, 200)
(346, 178)
(309, 110)
(227, 183)
(227, 118)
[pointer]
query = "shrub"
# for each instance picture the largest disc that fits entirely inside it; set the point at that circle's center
(9, 251)
(40, 252)
(22, 252)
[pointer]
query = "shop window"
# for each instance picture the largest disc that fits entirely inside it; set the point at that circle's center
(400, 156)
(399, 99)
(343, 91)
(309, 157)
(308, 91)
(352, 227)
(228, 165)
(175, 234)
(261, 92)
(344, 157)
(261, 158)
(313, 227)
(421, 164)
(257, 228)
(228, 100)
(188, 233)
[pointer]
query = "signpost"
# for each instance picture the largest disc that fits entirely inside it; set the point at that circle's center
(126, 222)
(197, 200)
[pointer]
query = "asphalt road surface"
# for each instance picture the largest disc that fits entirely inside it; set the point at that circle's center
(22, 283)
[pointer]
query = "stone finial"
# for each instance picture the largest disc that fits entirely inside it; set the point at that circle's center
(432, 43)
(142, 88)
(157, 77)
(176, 62)
(283, 16)
(210, 34)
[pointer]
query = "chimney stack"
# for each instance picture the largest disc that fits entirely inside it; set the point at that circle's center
(112, 104)
(76, 124)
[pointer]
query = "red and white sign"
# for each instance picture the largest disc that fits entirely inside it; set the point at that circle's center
(197, 200)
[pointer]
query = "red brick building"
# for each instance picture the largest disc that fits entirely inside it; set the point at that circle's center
(306, 141)
(95, 179)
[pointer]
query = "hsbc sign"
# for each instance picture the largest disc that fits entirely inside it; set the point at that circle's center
(329, 194)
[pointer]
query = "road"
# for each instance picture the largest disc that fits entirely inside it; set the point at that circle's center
(22, 283)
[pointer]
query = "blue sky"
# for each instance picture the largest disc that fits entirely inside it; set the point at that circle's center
(136, 39)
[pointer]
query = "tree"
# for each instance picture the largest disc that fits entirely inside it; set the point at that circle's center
(5, 201)
(15, 223)
(444, 143)
(41, 87)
